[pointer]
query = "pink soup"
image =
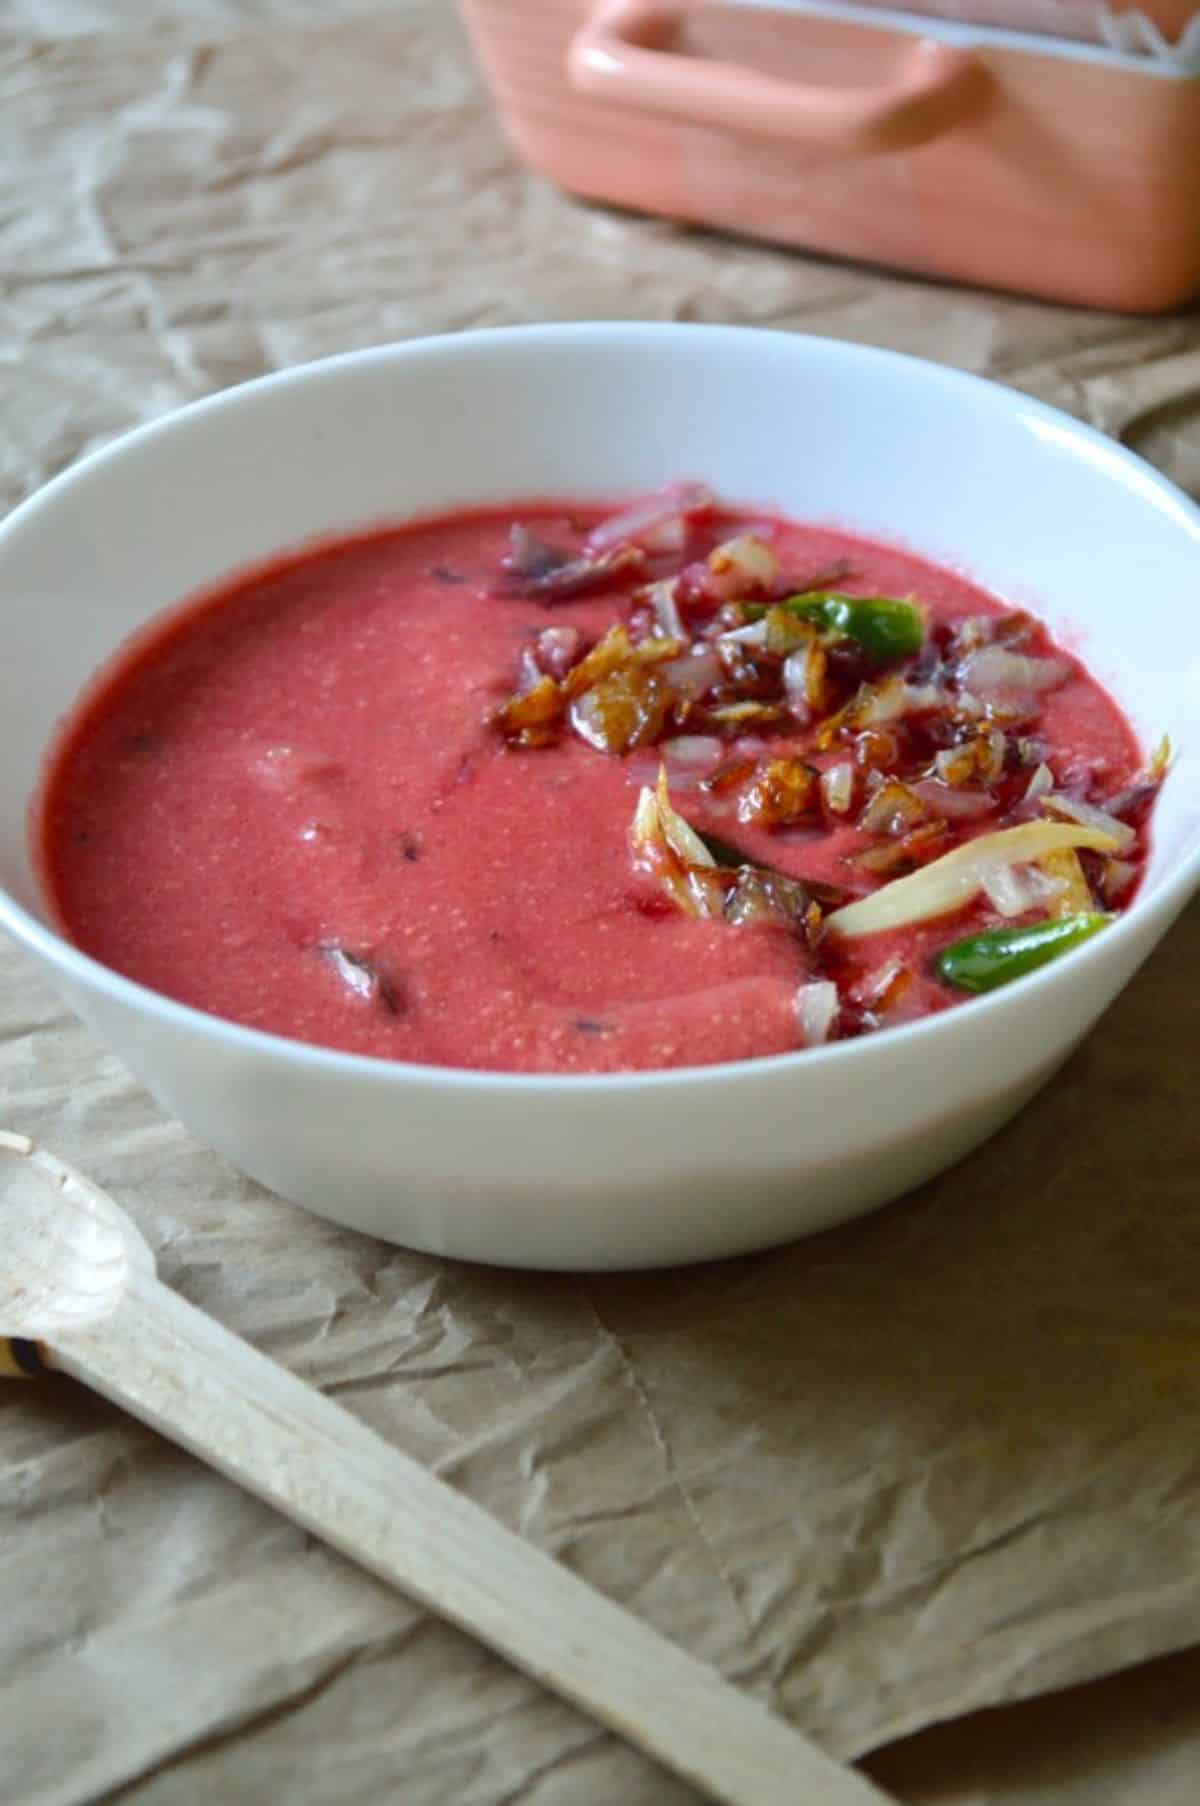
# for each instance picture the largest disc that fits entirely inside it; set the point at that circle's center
(537, 789)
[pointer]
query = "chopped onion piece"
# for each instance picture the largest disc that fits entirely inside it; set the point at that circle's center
(1123, 836)
(557, 650)
(953, 803)
(837, 788)
(1040, 784)
(753, 635)
(648, 516)
(693, 749)
(804, 680)
(951, 881)
(1009, 891)
(817, 1007)
(1013, 708)
(996, 668)
(746, 558)
(529, 555)
(660, 598)
(693, 674)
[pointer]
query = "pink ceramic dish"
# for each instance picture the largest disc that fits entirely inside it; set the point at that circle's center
(993, 157)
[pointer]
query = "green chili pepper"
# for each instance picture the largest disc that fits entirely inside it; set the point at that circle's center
(983, 961)
(884, 628)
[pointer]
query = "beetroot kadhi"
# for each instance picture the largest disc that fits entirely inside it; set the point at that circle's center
(563, 788)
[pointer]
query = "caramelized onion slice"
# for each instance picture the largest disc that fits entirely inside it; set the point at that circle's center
(666, 846)
(951, 803)
(681, 836)
(951, 881)
(654, 855)
(1069, 893)
(1089, 816)
(557, 581)
(1160, 759)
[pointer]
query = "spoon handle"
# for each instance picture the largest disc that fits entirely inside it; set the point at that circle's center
(201, 1386)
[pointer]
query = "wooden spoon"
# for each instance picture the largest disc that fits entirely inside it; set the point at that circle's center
(78, 1293)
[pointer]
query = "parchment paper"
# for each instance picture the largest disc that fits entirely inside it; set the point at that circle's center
(940, 1460)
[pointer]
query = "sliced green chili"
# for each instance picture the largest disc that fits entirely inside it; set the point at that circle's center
(885, 628)
(981, 962)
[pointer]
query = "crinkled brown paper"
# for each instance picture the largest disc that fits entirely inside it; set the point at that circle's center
(941, 1459)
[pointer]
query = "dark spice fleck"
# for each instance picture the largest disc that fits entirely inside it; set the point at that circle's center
(143, 745)
(592, 1025)
(445, 573)
(410, 846)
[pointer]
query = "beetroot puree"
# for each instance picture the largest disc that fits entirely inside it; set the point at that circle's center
(288, 806)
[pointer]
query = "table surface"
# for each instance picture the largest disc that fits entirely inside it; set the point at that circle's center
(114, 306)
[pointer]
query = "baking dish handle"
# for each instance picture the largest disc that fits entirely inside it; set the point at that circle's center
(620, 56)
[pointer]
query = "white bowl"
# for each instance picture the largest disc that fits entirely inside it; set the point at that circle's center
(652, 1168)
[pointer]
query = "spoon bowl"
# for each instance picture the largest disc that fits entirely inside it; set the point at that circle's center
(66, 1250)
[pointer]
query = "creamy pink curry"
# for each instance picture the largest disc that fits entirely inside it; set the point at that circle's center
(438, 793)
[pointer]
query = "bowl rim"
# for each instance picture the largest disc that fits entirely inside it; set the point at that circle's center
(1170, 896)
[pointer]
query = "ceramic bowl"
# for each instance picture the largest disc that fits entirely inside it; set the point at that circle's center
(641, 1169)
